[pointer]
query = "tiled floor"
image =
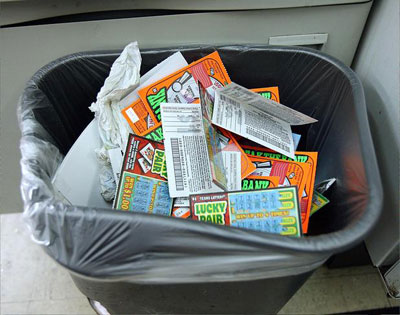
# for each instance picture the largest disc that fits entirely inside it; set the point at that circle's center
(32, 283)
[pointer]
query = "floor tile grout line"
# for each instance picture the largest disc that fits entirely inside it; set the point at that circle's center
(340, 276)
(44, 300)
(83, 298)
(334, 271)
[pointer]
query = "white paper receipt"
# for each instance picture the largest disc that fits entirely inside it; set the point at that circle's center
(188, 163)
(182, 202)
(243, 95)
(252, 123)
(116, 158)
(232, 165)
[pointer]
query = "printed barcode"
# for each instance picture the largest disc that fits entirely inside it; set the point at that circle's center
(267, 139)
(229, 100)
(176, 158)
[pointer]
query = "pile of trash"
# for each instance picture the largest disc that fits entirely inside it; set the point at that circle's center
(185, 141)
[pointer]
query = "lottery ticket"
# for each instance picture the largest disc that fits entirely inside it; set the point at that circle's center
(274, 210)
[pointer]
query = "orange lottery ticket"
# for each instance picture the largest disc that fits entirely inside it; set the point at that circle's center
(254, 182)
(271, 93)
(181, 86)
(289, 172)
(138, 117)
(300, 156)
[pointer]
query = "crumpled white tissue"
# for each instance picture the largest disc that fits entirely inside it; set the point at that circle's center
(113, 129)
(124, 77)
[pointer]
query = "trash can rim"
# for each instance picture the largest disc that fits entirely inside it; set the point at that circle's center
(331, 242)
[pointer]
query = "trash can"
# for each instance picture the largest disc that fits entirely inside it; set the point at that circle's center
(140, 263)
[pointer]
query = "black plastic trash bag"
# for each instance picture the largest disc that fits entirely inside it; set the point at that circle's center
(140, 249)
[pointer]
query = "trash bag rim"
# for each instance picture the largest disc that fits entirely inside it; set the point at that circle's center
(331, 242)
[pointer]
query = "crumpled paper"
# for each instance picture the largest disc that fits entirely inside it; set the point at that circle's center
(124, 77)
